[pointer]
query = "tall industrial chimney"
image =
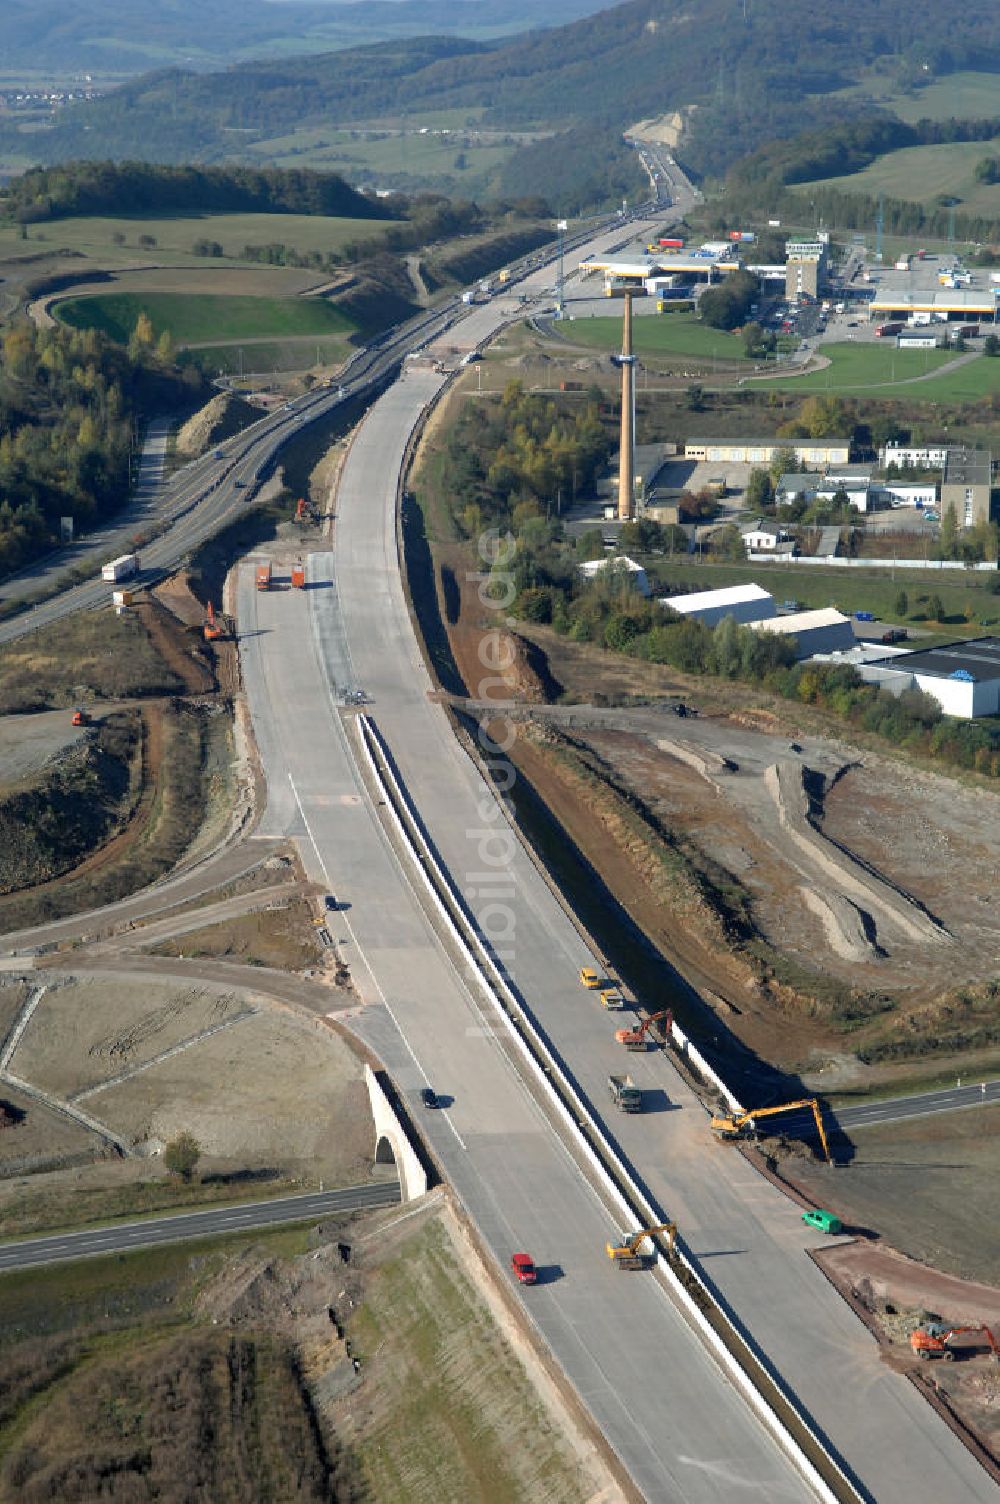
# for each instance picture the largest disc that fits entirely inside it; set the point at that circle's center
(626, 458)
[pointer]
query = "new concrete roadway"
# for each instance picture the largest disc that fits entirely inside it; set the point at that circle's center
(680, 1428)
(748, 1238)
(252, 1216)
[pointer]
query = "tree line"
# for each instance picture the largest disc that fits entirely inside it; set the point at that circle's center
(71, 406)
(508, 465)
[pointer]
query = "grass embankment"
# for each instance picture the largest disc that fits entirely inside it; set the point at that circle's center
(284, 938)
(114, 1385)
(203, 317)
(453, 1414)
(211, 1370)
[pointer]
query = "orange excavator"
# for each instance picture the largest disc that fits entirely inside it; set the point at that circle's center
(932, 1341)
(635, 1039)
(215, 626)
(739, 1124)
(304, 511)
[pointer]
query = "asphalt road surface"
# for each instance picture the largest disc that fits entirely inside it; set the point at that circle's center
(747, 1237)
(123, 1237)
(924, 1104)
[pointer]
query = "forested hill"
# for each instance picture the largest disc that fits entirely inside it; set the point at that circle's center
(751, 79)
(125, 36)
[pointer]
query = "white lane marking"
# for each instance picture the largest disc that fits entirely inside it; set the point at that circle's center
(368, 966)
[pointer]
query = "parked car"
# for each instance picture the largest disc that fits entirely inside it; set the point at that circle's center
(523, 1266)
(825, 1221)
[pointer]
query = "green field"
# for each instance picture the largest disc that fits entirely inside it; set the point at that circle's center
(866, 368)
(259, 356)
(850, 589)
(664, 334)
(176, 235)
(959, 96)
(923, 173)
(204, 318)
(387, 154)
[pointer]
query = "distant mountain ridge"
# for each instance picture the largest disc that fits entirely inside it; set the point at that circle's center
(749, 80)
(132, 36)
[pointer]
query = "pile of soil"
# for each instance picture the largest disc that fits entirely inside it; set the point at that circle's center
(217, 420)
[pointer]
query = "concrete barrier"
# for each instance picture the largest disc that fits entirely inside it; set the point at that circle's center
(574, 1113)
(392, 1142)
(697, 1061)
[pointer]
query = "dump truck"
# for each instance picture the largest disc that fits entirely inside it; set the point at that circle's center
(122, 568)
(298, 577)
(263, 576)
(81, 718)
(589, 978)
(612, 999)
(625, 1094)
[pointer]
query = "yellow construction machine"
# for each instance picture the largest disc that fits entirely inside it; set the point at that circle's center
(627, 1256)
(740, 1124)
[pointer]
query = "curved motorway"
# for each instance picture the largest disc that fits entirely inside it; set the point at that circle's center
(679, 1427)
(668, 1414)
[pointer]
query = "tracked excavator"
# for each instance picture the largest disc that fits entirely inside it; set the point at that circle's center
(740, 1124)
(635, 1038)
(627, 1256)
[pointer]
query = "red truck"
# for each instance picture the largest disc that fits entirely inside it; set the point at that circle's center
(882, 330)
(298, 577)
(263, 576)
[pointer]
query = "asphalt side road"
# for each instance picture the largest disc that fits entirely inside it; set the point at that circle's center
(124, 1236)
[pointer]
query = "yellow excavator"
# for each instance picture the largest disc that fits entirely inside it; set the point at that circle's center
(736, 1125)
(627, 1256)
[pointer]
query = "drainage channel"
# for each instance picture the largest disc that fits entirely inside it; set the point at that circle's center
(825, 1470)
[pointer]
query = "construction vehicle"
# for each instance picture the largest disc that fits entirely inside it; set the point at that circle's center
(304, 511)
(627, 1256)
(740, 1124)
(298, 577)
(612, 999)
(932, 1341)
(214, 626)
(81, 718)
(625, 1094)
(635, 1038)
(589, 978)
(263, 576)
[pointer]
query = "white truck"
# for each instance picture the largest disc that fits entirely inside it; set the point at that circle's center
(122, 568)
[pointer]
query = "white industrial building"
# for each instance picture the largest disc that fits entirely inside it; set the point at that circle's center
(920, 456)
(762, 451)
(964, 677)
(823, 631)
(619, 564)
(909, 493)
(744, 603)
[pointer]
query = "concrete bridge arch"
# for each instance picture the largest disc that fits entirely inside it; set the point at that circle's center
(392, 1144)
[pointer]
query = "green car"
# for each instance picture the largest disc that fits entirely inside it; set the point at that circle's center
(825, 1221)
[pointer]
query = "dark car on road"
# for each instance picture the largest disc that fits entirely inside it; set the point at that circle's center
(428, 1097)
